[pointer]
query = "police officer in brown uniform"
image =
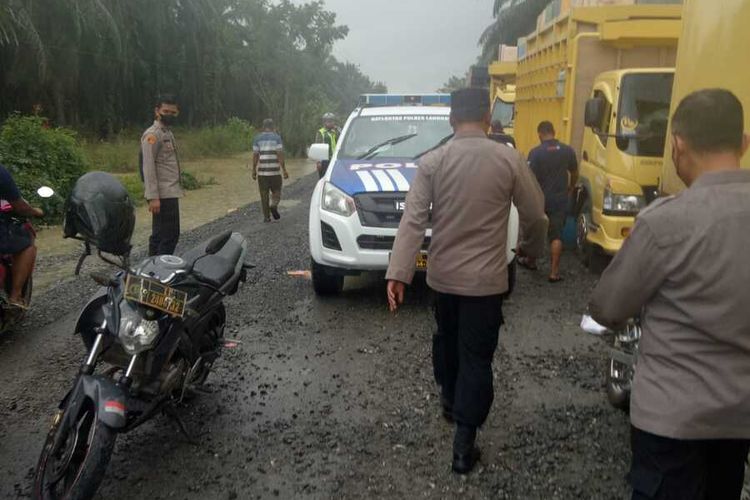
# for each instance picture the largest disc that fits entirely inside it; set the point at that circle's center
(470, 183)
(161, 177)
(685, 270)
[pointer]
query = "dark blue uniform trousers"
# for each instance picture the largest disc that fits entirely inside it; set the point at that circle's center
(462, 353)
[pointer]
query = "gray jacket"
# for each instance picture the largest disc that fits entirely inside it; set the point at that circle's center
(161, 167)
(686, 267)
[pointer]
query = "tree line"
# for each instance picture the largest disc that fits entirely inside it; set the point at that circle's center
(97, 65)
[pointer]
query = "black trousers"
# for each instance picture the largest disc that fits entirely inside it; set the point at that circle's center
(323, 168)
(165, 228)
(462, 353)
(676, 469)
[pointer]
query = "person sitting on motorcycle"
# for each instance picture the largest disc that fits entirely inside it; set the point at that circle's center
(15, 239)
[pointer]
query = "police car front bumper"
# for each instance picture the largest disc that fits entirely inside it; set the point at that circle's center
(344, 243)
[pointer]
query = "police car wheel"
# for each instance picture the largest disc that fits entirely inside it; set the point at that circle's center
(324, 281)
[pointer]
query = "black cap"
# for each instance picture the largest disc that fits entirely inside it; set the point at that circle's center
(470, 104)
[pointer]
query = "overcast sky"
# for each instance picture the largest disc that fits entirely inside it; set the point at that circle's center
(411, 45)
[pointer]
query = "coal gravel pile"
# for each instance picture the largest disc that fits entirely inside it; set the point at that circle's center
(334, 398)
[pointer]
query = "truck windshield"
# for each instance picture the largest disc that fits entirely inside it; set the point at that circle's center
(365, 132)
(644, 113)
(504, 112)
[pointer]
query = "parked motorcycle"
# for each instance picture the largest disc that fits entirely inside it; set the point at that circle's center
(622, 359)
(152, 333)
(10, 316)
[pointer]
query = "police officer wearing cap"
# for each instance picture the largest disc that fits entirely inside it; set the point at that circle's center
(161, 177)
(328, 134)
(467, 186)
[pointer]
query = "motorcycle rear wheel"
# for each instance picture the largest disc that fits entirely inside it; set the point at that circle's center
(75, 470)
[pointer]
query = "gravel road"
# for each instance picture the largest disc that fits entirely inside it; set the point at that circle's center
(335, 398)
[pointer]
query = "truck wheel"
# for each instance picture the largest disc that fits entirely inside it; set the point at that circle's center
(325, 282)
(583, 247)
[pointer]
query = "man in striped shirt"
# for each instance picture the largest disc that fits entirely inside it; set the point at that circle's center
(268, 166)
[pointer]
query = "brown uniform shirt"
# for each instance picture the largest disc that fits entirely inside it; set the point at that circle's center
(687, 264)
(161, 168)
(470, 184)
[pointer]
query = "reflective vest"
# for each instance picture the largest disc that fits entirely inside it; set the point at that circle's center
(330, 137)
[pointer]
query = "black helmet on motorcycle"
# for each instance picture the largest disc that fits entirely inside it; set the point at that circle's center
(100, 212)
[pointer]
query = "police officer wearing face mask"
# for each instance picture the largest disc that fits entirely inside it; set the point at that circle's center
(161, 177)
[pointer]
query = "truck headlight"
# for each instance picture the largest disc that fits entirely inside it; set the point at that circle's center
(336, 201)
(136, 334)
(622, 204)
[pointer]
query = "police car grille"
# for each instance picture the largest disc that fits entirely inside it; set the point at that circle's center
(380, 209)
(369, 242)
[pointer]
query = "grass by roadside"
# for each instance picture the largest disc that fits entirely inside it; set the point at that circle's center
(119, 155)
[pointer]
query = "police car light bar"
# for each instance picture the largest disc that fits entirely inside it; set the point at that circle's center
(372, 100)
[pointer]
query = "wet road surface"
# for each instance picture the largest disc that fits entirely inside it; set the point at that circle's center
(334, 397)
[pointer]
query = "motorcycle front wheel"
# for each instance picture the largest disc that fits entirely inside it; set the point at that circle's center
(74, 469)
(618, 392)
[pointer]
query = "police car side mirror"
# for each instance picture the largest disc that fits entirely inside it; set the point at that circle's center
(318, 152)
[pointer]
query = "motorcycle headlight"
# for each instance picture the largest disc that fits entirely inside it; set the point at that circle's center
(336, 201)
(136, 334)
(622, 204)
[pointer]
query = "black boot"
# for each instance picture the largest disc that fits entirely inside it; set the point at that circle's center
(465, 452)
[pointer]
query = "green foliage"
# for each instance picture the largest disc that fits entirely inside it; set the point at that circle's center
(120, 153)
(233, 137)
(189, 181)
(37, 156)
(133, 184)
(454, 83)
(513, 19)
(96, 65)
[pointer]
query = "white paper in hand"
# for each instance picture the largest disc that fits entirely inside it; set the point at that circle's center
(588, 325)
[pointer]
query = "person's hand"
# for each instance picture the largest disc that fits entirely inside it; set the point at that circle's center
(286, 174)
(154, 206)
(396, 290)
(318, 166)
(38, 212)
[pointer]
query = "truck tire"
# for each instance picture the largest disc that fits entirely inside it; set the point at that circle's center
(324, 281)
(584, 250)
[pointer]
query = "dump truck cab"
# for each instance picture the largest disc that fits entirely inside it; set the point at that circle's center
(503, 89)
(625, 120)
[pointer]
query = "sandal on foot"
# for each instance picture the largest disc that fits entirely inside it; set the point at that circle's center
(18, 304)
(555, 279)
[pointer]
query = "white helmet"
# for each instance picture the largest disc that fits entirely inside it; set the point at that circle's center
(329, 116)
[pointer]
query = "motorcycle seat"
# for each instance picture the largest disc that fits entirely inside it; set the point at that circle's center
(218, 268)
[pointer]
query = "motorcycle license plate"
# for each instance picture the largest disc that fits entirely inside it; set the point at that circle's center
(153, 294)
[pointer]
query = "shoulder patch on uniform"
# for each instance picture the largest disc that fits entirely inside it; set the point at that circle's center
(151, 139)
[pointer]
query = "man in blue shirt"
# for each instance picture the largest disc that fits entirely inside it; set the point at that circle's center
(268, 165)
(556, 168)
(15, 239)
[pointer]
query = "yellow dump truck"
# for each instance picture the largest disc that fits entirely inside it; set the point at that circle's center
(502, 87)
(602, 74)
(712, 53)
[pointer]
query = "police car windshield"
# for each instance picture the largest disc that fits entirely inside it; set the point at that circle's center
(366, 132)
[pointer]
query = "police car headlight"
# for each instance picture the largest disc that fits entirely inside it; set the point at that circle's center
(336, 201)
(622, 204)
(136, 334)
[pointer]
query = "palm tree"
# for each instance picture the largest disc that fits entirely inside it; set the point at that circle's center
(513, 19)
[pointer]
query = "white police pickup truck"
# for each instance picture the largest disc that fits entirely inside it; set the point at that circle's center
(357, 206)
